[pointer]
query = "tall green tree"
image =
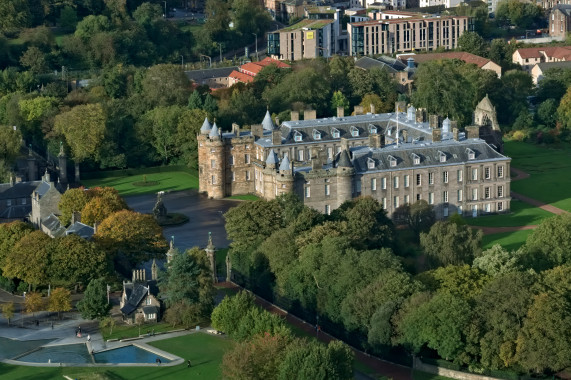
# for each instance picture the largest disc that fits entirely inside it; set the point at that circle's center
(94, 303)
(166, 85)
(10, 234)
(28, 259)
(550, 242)
(472, 42)
(449, 243)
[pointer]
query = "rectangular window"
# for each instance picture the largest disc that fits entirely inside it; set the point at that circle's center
(500, 172)
(213, 164)
(307, 192)
(231, 160)
(396, 202)
(233, 176)
(406, 181)
(247, 175)
(148, 301)
(431, 178)
(418, 197)
(474, 194)
(487, 192)
(330, 152)
(487, 173)
(406, 199)
(488, 207)
(418, 179)
(214, 180)
(445, 211)
(327, 189)
(373, 184)
(445, 196)
(459, 195)
(384, 203)
(430, 198)
(300, 155)
(358, 186)
(247, 158)
(500, 191)
(500, 206)
(396, 182)
(474, 174)
(445, 177)
(327, 209)
(460, 175)
(383, 183)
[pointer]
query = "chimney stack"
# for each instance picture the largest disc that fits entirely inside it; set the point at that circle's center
(276, 137)
(420, 115)
(358, 110)
(75, 217)
(294, 115)
(309, 115)
(473, 132)
(434, 121)
(376, 140)
(372, 108)
(455, 134)
(236, 129)
(436, 135)
(344, 144)
(340, 111)
(257, 130)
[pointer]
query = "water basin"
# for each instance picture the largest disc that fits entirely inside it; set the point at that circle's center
(128, 354)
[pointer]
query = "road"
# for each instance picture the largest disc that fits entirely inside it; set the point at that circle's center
(205, 215)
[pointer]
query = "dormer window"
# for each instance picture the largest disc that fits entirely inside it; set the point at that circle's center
(442, 156)
(415, 159)
(316, 134)
(370, 163)
(471, 154)
(392, 161)
(354, 131)
(372, 129)
(335, 133)
(297, 136)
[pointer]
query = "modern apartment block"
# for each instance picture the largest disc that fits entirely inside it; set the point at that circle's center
(406, 34)
(313, 37)
(396, 158)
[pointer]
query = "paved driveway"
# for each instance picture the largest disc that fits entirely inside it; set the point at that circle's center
(205, 215)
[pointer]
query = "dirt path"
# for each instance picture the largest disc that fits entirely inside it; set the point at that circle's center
(519, 174)
(536, 203)
(382, 367)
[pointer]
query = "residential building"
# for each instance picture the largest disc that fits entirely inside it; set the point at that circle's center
(140, 296)
(548, 4)
(16, 200)
(331, 160)
(45, 201)
(538, 71)
(406, 34)
(213, 78)
(248, 71)
(560, 20)
(401, 72)
(529, 57)
(446, 3)
(309, 38)
(482, 63)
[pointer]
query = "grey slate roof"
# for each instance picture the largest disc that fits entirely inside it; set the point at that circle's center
(81, 230)
(565, 8)
(544, 66)
(53, 224)
(272, 158)
(344, 161)
(267, 123)
(16, 212)
(18, 190)
(365, 124)
(206, 127)
(367, 63)
(200, 76)
(214, 131)
(285, 164)
(456, 152)
(135, 295)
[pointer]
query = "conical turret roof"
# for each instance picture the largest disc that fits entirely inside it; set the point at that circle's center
(272, 158)
(206, 127)
(344, 161)
(285, 164)
(267, 123)
(214, 131)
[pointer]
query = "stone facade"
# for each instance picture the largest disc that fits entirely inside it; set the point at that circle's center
(395, 158)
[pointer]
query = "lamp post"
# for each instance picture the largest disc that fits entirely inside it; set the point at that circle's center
(182, 61)
(220, 47)
(165, 8)
(255, 35)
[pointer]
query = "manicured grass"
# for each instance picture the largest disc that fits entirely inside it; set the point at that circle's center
(549, 169)
(169, 181)
(204, 351)
(509, 240)
(522, 214)
(132, 331)
(245, 197)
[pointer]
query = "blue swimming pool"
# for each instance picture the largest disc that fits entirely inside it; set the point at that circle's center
(78, 354)
(128, 354)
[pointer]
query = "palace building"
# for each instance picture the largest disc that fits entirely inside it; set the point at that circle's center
(396, 158)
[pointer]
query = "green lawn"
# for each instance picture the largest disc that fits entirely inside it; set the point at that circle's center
(550, 170)
(204, 351)
(508, 240)
(169, 181)
(132, 331)
(522, 214)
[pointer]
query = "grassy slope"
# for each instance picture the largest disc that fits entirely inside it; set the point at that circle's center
(205, 352)
(522, 214)
(508, 240)
(170, 181)
(550, 171)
